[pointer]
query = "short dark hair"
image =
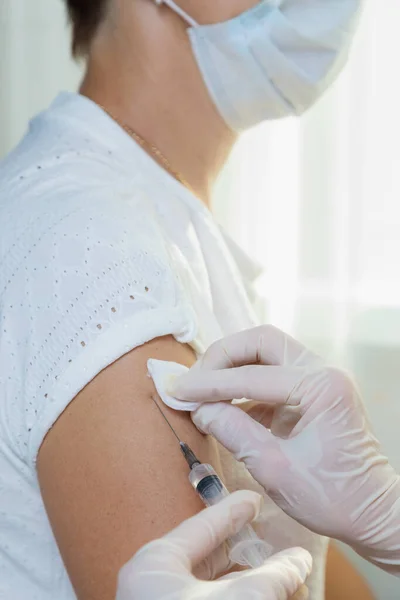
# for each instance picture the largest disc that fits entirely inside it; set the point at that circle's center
(85, 17)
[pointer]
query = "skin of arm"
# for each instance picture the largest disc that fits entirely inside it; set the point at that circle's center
(112, 476)
(343, 581)
(111, 472)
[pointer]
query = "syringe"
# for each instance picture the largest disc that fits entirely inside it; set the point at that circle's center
(245, 547)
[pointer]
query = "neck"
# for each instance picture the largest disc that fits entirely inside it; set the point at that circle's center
(147, 78)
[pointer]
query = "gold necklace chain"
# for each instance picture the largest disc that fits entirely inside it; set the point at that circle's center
(151, 147)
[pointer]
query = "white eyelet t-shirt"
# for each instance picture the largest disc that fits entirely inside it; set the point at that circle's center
(100, 251)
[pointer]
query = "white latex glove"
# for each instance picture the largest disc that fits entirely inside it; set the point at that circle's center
(163, 568)
(308, 442)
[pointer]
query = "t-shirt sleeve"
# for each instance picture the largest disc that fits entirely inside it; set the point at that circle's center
(93, 280)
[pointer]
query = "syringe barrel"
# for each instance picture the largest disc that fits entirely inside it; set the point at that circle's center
(207, 484)
(245, 547)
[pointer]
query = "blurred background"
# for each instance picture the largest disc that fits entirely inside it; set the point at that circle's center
(316, 201)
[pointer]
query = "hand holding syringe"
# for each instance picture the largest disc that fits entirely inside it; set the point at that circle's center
(245, 547)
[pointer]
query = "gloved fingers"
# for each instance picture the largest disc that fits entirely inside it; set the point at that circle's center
(271, 385)
(158, 564)
(199, 536)
(281, 420)
(264, 345)
(302, 594)
(215, 565)
(245, 438)
(290, 570)
(282, 577)
(259, 412)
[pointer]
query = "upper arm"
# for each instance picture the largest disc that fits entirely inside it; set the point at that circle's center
(343, 582)
(111, 472)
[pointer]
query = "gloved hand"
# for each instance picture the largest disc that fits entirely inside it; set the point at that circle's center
(163, 568)
(307, 442)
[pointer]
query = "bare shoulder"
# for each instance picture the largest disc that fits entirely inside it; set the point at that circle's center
(111, 473)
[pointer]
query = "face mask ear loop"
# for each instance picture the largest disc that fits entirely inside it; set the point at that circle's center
(179, 11)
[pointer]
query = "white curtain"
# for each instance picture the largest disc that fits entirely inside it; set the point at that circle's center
(34, 62)
(315, 201)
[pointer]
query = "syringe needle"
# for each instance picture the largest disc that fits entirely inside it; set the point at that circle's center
(187, 452)
(189, 455)
(169, 424)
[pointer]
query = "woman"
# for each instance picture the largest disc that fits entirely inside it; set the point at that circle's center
(110, 256)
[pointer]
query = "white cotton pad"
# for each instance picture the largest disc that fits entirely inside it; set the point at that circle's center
(162, 373)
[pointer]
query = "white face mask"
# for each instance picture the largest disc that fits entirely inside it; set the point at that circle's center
(275, 59)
